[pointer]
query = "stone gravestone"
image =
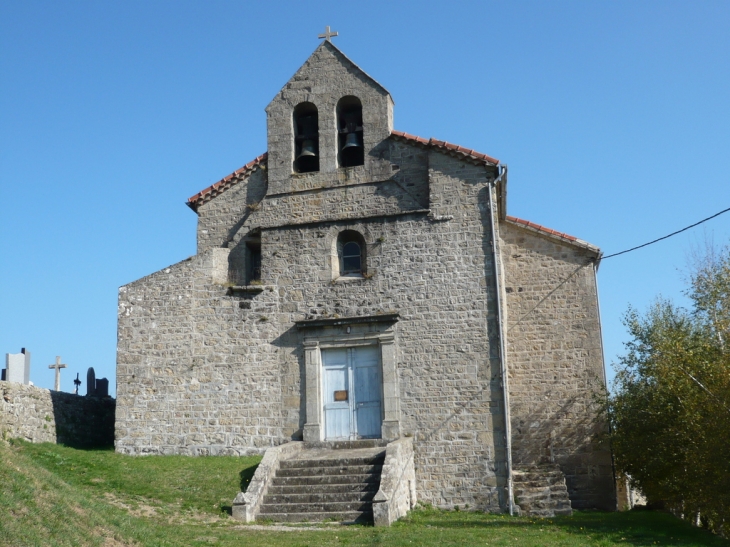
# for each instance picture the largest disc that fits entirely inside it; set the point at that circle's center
(102, 387)
(90, 382)
(18, 367)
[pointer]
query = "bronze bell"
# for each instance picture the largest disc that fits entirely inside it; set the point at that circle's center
(351, 141)
(307, 149)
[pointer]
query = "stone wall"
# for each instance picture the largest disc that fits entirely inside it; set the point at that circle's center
(555, 361)
(325, 78)
(208, 369)
(39, 415)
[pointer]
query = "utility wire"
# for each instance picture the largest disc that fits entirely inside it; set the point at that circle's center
(668, 236)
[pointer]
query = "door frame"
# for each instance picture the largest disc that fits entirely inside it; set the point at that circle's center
(347, 333)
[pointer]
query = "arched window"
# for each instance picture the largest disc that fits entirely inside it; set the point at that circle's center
(350, 132)
(306, 138)
(351, 254)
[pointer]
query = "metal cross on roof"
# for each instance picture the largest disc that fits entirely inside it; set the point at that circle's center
(327, 34)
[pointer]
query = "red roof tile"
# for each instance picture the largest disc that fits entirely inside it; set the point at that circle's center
(225, 183)
(448, 147)
(234, 178)
(541, 228)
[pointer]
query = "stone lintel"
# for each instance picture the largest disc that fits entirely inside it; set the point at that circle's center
(343, 321)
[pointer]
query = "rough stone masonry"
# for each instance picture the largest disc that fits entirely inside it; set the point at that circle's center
(348, 235)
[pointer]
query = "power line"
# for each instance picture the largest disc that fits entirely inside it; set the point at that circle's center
(668, 236)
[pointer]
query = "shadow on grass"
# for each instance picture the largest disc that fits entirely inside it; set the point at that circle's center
(639, 528)
(246, 475)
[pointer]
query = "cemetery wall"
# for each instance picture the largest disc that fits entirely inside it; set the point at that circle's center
(40, 415)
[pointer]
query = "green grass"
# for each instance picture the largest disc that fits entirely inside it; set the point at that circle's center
(52, 495)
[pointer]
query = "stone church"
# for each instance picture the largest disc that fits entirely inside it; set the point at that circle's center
(358, 284)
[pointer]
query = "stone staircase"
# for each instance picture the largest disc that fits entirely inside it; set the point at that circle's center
(325, 484)
(540, 491)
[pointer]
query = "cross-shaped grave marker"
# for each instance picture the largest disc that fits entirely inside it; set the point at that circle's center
(327, 34)
(58, 366)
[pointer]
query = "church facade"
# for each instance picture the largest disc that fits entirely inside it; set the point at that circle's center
(357, 282)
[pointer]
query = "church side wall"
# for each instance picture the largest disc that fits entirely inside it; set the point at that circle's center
(555, 362)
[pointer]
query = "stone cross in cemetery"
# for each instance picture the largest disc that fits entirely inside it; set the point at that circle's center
(77, 383)
(327, 34)
(58, 366)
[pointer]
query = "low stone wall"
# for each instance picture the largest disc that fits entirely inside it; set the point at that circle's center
(39, 415)
(246, 505)
(397, 493)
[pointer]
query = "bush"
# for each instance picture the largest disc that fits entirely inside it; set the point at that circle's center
(670, 412)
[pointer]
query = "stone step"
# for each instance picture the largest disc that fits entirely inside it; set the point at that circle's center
(360, 517)
(541, 491)
(333, 462)
(555, 476)
(320, 497)
(524, 500)
(548, 481)
(347, 445)
(326, 507)
(340, 488)
(325, 479)
(329, 470)
(556, 489)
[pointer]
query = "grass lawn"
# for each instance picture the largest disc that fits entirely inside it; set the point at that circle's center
(52, 495)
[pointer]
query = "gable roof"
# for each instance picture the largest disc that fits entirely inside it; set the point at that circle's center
(244, 172)
(204, 196)
(344, 59)
(448, 148)
(542, 230)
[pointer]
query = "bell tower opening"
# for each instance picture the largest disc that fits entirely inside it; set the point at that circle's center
(350, 132)
(306, 138)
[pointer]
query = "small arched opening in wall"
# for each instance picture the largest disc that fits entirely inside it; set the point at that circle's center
(244, 260)
(306, 138)
(350, 148)
(350, 256)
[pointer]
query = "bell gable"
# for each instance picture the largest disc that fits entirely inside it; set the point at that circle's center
(330, 121)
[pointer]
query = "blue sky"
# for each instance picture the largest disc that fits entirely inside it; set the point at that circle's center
(613, 117)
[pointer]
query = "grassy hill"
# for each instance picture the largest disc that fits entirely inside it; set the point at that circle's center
(52, 495)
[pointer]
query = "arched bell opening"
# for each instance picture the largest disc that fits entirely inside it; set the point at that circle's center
(306, 138)
(351, 151)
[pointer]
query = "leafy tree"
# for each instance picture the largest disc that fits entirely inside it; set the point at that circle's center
(670, 412)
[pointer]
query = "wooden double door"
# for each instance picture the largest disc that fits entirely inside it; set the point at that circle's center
(352, 393)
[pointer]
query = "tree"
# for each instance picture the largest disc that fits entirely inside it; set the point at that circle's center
(670, 411)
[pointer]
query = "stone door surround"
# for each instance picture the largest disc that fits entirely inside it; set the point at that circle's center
(349, 332)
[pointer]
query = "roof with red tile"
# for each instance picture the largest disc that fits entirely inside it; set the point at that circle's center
(225, 183)
(234, 178)
(541, 228)
(244, 172)
(550, 232)
(448, 148)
